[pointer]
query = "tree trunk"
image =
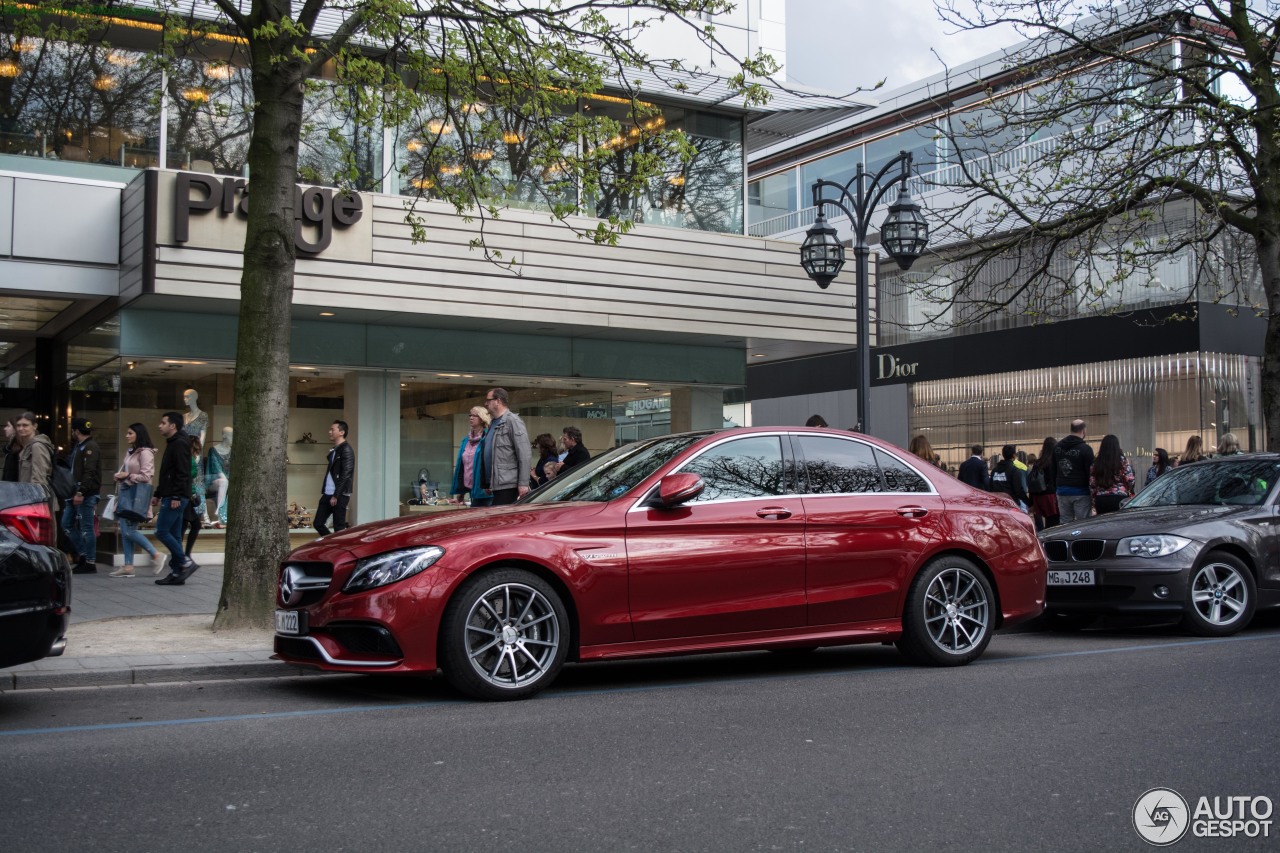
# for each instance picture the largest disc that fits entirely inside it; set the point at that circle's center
(258, 534)
(1269, 264)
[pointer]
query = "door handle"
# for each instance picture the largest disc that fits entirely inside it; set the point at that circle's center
(912, 511)
(773, 512)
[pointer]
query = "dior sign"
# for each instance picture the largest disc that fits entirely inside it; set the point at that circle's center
(891, 368)
(317, 210)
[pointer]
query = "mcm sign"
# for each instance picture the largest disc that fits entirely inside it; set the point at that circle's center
(317, 210)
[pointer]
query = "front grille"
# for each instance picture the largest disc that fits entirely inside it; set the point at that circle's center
(311, 580)
(1057, 551)
(364, 639)
(1087, 550)
(297, 648)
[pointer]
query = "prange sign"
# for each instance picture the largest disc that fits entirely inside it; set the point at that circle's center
(314, 208)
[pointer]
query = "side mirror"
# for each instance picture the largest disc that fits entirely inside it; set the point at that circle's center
(675, 489)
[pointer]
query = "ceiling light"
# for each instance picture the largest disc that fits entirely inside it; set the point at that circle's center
(180, 361)
(121, 59)
(104, 83)
(9, 68)
(219, 71)
(439, 127)
(326, 313)
(196, 95)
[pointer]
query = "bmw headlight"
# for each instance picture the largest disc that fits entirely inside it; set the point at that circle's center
(1161, 545)
(394, 566)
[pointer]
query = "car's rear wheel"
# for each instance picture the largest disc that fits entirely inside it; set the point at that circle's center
(949, 615)
(1221, 597)
(504, 635)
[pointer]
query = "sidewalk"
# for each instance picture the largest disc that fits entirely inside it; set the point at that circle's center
(135, 632)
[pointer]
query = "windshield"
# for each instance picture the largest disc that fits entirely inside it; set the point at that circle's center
(1243, 482)
(612, 474)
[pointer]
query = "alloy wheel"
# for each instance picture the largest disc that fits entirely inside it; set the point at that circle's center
(956, 611)
(512, 635)
(1219, 594)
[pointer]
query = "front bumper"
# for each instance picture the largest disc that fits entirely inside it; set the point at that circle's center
(1125, 585)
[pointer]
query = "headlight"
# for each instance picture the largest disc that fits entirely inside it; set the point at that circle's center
(1151, 546)
(391, 567)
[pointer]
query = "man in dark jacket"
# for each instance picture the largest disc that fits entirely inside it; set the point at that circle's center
(1073, 459)
(1009, 479)
(338, 477)
(974, 469)
(78, 512)
(173, 494)
(577, 452)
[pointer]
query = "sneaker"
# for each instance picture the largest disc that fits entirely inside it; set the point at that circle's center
(84, 567)
(171, 580)
(125, 572)
(188, 570)
(161, 565)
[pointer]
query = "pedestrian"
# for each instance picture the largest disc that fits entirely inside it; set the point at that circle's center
(173, 496)
(506, 450)
(571, 438)
(1159, 465)
(1229, 445)
(920, 447)
(1194, 451)
(548, 459)
(79, 512)
(974, 469)
(12, 450)
(338, 477)
(816, 421)
(192, 520)
(1042, 485)
(1073, 460)
(35, 460)
(1009, 479)
(468, 471)
(138, 468)
(1111, 477)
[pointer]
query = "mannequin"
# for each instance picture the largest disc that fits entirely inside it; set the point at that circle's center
(194, 421)
(217, 472)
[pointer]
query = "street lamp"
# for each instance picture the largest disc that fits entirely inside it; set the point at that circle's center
(903, 234)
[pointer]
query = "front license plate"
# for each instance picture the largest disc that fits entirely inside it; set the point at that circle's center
(1062, 577)
(288, 622)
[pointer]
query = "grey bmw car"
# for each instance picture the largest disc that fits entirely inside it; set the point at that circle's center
(1201, 543)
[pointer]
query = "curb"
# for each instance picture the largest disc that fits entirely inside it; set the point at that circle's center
(51, 679)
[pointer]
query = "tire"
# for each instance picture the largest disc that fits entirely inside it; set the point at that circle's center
(950, 614)
(1221, 597)
(505, 635)
(1068, 623)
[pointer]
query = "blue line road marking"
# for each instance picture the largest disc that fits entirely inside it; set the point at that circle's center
(570, 693)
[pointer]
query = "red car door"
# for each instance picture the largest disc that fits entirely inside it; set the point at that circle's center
(870, 517)
(728, 562)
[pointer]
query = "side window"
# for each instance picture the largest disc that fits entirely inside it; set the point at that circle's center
(839, 466)
(899, 476)
(745, 468)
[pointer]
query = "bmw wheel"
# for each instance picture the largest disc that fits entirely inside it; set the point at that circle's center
(504, 635)
(1221, 597)
(950, 613)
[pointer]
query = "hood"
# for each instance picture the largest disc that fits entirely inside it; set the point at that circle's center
(440, 528)
(1182, 520)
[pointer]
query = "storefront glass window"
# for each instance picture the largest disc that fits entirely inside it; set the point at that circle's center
(210, 112)
(332, 110)
(772, 196)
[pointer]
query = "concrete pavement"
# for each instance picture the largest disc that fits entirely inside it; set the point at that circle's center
(135, 632)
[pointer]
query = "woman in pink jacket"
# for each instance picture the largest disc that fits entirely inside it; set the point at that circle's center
(139, 467)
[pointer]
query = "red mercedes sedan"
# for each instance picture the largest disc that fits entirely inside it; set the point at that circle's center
(759, 538)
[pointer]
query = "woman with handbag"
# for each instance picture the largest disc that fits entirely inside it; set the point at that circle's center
(133, 502)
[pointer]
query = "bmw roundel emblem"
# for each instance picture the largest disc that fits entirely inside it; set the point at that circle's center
(1076, 532)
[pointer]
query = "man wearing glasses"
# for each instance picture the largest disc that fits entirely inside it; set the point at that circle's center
(506, 450)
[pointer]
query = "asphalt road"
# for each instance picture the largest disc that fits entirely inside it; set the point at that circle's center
(1044, 744)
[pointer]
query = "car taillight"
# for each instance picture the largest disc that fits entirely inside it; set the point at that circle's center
(32, 522)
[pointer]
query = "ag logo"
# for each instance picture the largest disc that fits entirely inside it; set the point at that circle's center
(1160, 816)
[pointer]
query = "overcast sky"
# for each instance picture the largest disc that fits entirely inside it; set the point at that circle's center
(841, 44)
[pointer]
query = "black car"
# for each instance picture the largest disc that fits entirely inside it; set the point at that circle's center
(1201, 543)
(35, 578)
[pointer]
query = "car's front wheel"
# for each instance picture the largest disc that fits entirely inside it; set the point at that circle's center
(1221, 597)
(950, 613)
(504, 635)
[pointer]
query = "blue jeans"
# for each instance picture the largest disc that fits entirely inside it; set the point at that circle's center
(169, 530)
(130, 536)
(77, 521)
